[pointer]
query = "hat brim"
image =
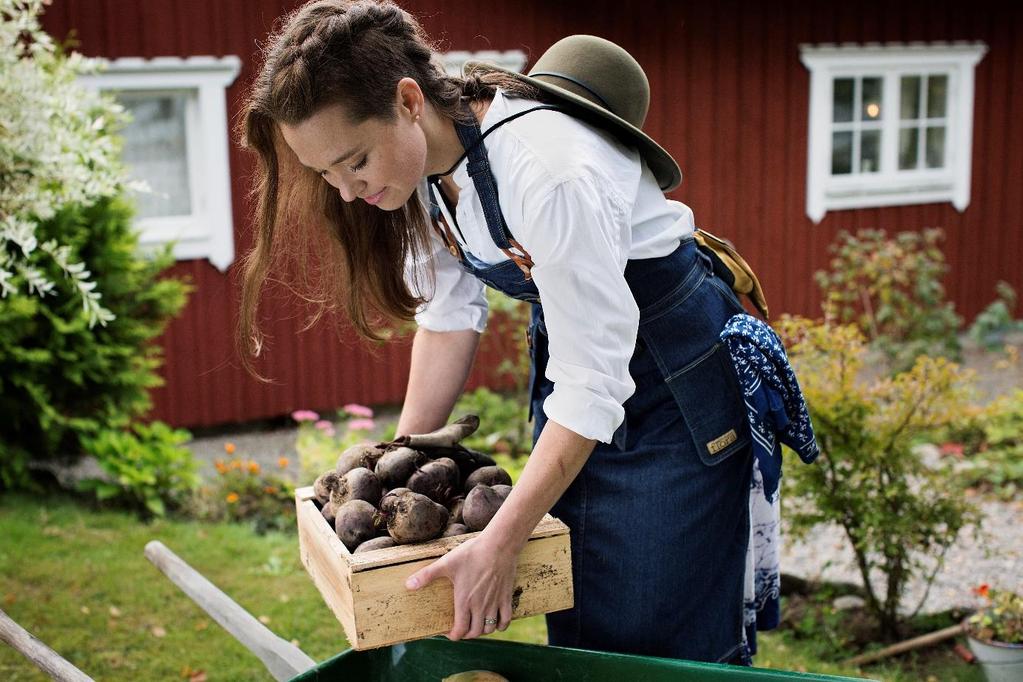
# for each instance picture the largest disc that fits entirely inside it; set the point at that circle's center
(662, 165)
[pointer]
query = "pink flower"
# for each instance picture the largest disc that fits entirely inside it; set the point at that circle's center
(304, 416)
(357, 410)
(361, 425)
(324, 425)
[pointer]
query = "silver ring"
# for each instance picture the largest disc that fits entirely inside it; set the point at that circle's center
(490, 621)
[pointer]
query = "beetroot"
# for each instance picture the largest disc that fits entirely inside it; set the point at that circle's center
(376, 543)
(395, 467)
(358, 484)
(438, 480)
(329, 512)
(491, 475)
(362, 455)
(481, 504)
(389, 499)
(455, 508)
(323, 484)
(356, 522)
(454, 529)
(416, 518)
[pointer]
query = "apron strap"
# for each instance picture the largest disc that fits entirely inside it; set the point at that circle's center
(478, 167)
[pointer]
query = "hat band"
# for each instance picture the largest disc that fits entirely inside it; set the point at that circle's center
(570, 79)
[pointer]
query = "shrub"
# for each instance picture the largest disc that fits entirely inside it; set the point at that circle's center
(993, 323)
(56, 150)
(891, 290)
(147, 468)
(900, 514)
(60, 379)
(988, 445)
(244, 491)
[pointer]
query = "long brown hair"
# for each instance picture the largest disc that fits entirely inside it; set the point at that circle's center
(340, 256)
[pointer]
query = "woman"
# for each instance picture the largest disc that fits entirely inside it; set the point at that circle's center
(641, 443)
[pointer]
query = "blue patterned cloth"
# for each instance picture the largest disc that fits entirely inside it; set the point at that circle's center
(777, 415)
(777, 411)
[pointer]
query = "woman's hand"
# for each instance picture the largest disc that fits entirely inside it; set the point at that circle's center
(482, 571)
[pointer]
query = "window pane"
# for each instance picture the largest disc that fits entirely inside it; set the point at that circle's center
(871, 99)
(870, 151)
(910, 98)
(935, 147)
(908, 148)
(843, 100)
(155, 151)
(841, 153)
(937, 96)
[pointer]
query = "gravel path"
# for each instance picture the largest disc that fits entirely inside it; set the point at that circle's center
(996, 558)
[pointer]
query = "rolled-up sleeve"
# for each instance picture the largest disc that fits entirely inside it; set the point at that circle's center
(455, 300)
(579, 236)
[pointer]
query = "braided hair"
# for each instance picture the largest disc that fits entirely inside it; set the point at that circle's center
(335, 255)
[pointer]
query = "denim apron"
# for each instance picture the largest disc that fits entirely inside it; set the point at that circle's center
(659, 517)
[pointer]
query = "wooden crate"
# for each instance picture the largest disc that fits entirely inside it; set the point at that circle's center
(367, 591)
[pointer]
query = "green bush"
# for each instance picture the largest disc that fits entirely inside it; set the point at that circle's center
(891, 290)
(146, 467)
(993, 323)
(62, 381)
(989, 444)
(900, 514)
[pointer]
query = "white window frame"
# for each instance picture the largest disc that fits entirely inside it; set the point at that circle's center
(513, 60)
(890, 186)
(208, 232)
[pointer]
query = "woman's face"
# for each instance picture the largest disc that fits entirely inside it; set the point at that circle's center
(379, 162)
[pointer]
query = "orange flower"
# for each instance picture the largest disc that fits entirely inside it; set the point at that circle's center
(232, 498)
(253, 467)
(236, 464)
(983, 589)
(229, 448)
(269, 490)
(221, 467)
(282, 462)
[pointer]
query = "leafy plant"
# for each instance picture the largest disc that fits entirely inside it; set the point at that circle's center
(244, 491)
(504, 422)
(992, 324)
(899, 514)
(147, 468)
(1002, 619)
(60, 379)
(891, 290)
(988, 445)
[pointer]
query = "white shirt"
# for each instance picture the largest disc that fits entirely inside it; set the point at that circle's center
(582, 205)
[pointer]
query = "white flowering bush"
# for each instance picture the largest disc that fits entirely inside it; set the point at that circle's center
(76, 367)
(56, 150)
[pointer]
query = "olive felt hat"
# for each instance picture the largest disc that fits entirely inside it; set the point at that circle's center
(607, 86)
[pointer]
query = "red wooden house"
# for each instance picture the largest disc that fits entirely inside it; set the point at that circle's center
(791, 121)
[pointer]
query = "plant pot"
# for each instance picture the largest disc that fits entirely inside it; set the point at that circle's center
(1001, 662)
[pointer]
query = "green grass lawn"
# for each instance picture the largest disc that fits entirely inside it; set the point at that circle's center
(77, 580)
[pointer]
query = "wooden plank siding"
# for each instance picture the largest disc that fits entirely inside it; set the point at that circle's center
(730, 101)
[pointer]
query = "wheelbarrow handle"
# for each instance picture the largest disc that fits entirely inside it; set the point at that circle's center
(45, 658)
(283, 659)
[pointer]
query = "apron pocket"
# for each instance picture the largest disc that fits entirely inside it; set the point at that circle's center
(707, 391)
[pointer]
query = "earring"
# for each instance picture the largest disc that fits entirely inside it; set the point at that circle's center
(416, 118)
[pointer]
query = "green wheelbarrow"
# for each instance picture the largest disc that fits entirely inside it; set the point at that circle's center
(430, 659)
